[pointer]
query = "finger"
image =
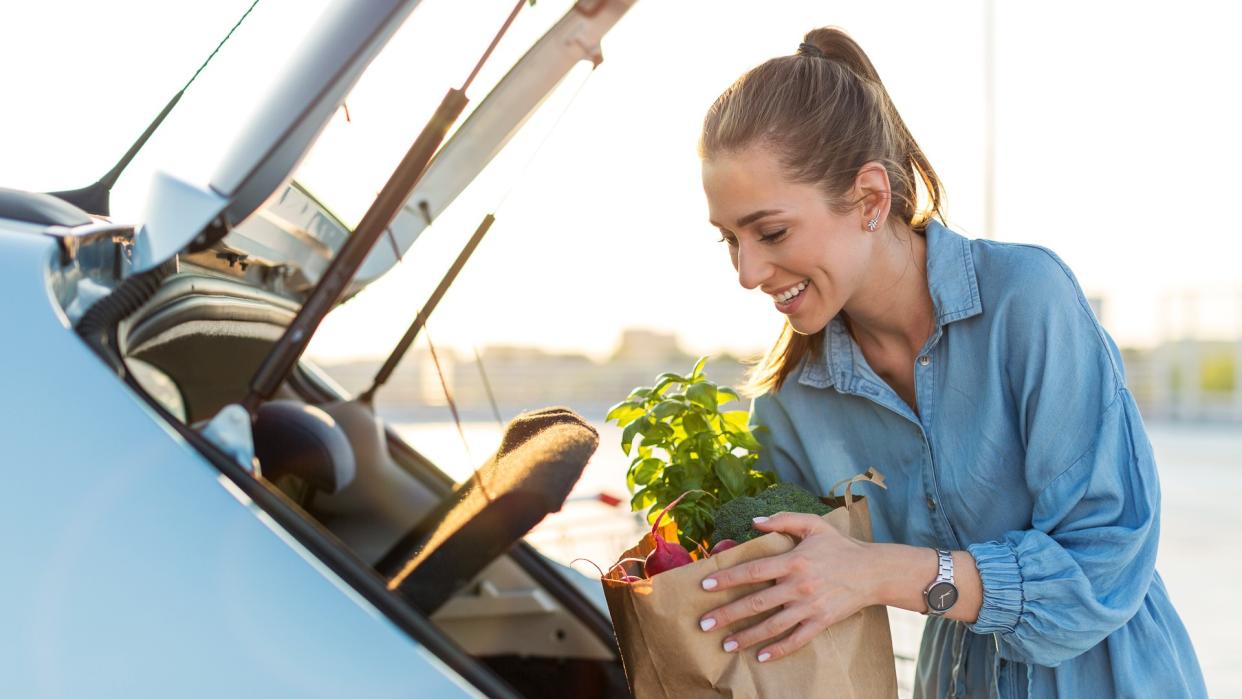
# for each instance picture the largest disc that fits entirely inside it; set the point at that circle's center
(806, 631)
(767, 629)
(764, 600)
(797, 524)
(748, 573)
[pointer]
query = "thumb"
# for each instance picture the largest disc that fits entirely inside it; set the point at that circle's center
(798, 524)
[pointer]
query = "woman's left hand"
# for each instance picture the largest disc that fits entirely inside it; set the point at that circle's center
(817, 584)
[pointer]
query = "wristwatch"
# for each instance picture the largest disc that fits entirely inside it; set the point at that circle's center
(941, 595)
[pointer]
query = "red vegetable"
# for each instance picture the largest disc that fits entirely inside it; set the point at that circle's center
(666, 556)
(723, 545)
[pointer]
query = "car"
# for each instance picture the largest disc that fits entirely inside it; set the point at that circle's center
(194, 508)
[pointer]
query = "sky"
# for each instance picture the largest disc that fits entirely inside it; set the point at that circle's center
(1115, 144)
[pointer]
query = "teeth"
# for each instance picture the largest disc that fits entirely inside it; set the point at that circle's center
(787, 296)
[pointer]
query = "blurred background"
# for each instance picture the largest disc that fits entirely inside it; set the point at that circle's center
(1104, 131)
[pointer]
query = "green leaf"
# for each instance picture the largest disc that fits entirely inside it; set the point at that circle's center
(732, 474)
(745, 440)
(668, 408)
(724, 394)
(624, 413)
(647, 471)
(694, 423)
(698, 367)
(640, 393)
(736, 419)
(656, 433)
(704, 394)
(660, 387)
(627, 436)
(642, 499)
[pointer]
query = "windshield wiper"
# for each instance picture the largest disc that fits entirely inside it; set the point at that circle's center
(285, 353)
(96, 198)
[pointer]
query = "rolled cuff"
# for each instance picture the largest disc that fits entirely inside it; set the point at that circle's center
(1002, 588)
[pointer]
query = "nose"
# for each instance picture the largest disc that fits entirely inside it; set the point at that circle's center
(752, 264)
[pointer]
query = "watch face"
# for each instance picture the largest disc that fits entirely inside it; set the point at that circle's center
(942, 596)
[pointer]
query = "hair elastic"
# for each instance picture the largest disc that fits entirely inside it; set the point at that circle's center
(805, 49)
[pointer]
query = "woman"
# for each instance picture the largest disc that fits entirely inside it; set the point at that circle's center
(1022, 509)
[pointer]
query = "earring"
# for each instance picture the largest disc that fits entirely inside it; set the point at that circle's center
(873, 223)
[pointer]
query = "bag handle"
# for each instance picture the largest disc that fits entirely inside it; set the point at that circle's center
(871, 475)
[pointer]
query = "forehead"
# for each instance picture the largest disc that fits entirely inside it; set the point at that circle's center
(739, 183)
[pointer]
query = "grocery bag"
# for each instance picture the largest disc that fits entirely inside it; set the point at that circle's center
(666, 654)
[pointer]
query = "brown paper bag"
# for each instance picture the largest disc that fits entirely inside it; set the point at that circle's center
(665, 654)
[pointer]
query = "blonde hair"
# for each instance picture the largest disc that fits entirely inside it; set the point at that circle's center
(824, 117)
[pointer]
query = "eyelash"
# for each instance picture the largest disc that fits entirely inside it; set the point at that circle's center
(770, 238)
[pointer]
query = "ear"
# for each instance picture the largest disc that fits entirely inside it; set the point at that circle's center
(873, 194)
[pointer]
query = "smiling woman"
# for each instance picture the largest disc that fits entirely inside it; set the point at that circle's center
(1031, 546)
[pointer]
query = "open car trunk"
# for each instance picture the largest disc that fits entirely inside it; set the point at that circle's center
(500, 607)
(214, 298)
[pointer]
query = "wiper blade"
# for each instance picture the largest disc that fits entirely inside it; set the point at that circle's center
(95, 198)
(285, 353)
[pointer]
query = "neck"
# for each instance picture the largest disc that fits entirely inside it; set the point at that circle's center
(893, 309)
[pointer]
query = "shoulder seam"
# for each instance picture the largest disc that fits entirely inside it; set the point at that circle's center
(1112, 403)
(1083, 307)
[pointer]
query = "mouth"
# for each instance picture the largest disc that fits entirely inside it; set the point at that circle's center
(785, 296)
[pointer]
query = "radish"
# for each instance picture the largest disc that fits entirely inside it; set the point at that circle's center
(723, 545)
(666, 556)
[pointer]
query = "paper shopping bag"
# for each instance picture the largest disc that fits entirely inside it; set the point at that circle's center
(666, 654)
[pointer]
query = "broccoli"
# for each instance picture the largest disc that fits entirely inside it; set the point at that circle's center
(734, 518)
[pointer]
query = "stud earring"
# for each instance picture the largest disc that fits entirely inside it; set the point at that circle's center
(873, 223)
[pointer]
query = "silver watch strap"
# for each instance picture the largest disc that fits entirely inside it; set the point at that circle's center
(946, 566)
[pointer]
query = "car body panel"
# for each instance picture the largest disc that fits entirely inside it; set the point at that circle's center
(327, 64)
(132, 566)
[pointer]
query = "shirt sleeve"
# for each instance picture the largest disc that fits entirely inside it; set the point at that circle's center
(1084, 566)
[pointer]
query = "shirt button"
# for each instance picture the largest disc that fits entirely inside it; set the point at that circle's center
(931, 504)
(924, 360)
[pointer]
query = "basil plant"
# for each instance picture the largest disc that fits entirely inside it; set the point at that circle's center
(680, 441)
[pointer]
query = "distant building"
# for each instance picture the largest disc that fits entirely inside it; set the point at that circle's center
(639, 346)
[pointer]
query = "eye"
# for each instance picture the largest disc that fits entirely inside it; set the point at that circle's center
(727, 239)
(773, 237)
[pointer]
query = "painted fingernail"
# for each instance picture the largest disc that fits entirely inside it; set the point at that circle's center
(757, 520)
(707, 624)
(730, 646)
(763, 657)
(709, 583)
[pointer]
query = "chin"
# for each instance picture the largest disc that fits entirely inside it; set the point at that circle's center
(804, 327)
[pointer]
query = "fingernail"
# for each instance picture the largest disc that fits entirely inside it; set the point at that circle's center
(757, 520)
(730, 646)
(763, 657)
(709, 583)
(707, 624)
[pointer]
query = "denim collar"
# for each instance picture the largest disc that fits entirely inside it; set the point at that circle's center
(955, 296)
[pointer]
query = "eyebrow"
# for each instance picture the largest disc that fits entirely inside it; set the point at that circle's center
(752, 217)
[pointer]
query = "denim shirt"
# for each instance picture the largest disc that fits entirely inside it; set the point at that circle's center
(1029, 453)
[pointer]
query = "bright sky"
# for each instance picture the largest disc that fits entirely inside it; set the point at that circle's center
(1116, 139)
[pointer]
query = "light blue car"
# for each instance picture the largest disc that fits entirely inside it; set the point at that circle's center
(193, 510)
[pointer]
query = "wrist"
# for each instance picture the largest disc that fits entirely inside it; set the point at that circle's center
(901, 573)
